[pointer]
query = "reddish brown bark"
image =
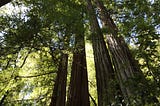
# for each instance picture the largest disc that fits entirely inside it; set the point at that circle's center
(103, 64)
(59, 91)
(125, 65)
(79, 94)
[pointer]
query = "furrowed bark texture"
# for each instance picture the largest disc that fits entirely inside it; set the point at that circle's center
(125, 66)
(59, 91)
(78, 90)
(122, 65)
(79, 94)
(103, 64)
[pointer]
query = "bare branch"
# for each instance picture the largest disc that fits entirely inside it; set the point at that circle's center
(3, 2)
(35, 75)
(25, 58)
(95, 104)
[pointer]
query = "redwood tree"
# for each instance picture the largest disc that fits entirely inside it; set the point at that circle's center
(78, 91)
(103, 64)
(59, 91)
(126, 68)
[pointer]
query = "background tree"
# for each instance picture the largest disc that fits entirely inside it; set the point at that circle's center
(34, 34)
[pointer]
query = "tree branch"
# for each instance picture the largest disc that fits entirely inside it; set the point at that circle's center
(25, 58)
(94, 102)
(34, 75)
(3, 98)
(3, 2)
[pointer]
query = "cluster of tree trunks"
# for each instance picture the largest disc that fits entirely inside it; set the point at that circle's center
(125, 67)
(103, 64)
(78, 93)
(114, 62)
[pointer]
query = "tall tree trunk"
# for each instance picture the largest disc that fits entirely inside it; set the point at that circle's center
(59, 91)
(79, 93)
(125, 66)
(103, 64)
(122, 65)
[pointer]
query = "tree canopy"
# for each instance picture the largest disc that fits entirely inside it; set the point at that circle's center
(79, 52)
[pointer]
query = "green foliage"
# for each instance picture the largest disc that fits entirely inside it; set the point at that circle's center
(139, 23)
(31, 40)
